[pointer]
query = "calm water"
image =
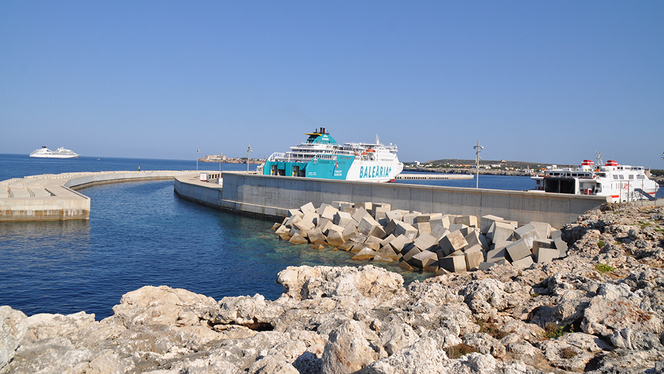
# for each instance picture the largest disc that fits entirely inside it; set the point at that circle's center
(140, 233)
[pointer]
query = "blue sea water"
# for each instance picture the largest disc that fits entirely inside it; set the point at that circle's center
(141, 233)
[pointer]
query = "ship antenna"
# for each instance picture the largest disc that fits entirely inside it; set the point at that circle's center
(478, 147)
(599, 158)
(377, 140)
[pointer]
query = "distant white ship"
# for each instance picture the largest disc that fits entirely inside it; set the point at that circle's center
(61, 152)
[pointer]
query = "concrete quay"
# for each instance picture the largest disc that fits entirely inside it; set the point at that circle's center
(433, 176)
(53, 197)
(272, 197)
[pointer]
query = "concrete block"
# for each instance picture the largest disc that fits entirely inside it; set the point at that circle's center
(388, 252)
(308, 208)
(380, 214)
(294, 230)
(304, 224)
(395, 215)
(487, 221)
(316, 236)
(438, 232)
(365, 205)
(406, 266)
(528, 233)
(324, 224)
(359, 214)
(517, 250)
(335, 236)
(281, 230)
(561, 245)
(349, 232)
(379, 258)
(423, 218)
(542, 243)
(500, 231)
(410, 218)
(473, 259)
(399, 243)
(340, 204)
(484, 266)
(423, 227)
(423, 259)
(368, 225)
(410, 251)
(470, 221)
(523, 263)
(406, 230)
(543, 229)
(293, 212)
(475, 238)
(346, 246)
(357, 247)
(297, 239)
(425, 241)
(454, 264)
(474, 248)
(459, 226)
(372, 242)
(495, 255)
(443, 221)
(432, 267)
(451, 242)
(365, 254)
(342, 219)
(546, 254)
(391, 226)
(292, 219)
(387, 240)
(555, 234)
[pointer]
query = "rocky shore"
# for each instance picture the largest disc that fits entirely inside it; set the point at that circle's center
(600, 309)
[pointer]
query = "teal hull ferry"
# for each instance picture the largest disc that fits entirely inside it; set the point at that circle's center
(320, 156)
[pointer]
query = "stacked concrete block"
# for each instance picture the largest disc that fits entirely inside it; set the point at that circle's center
(373, 242)
(399, 243)
(367, 205)
(453, 264)
(297, 239)
(410, 218)
(359, 214)
(523, 263)
(406, 230)
(394, 215)
(473, 259)
(518, 250)
(543, 254)
(501, 231)
(369, 226)
(460, 227)
(561, 246)
(487, 221)
(409, 251)
(476, 238)
(438, 232)
(308, 208)
(543, 229)
(316, 236)
(388, 252)
(387, 240)
(324, 224)
(423, 227)
(528, 233)
(342, 219)
(424, 259)
(454, 241)
(391, 226)
(349, 232)
(425, 242)
(364, 254)
(335, 236)
(470, 221)
(327, 212)
(443, 221)
(293, 212)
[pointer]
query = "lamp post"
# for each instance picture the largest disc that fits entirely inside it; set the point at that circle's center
(248, 152)
(478, 147)
(220, 159)
(197, 152)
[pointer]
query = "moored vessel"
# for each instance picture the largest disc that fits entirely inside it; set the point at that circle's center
(61, 152)
(320, 156)
(621, 183)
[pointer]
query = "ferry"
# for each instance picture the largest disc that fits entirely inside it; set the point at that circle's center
(320, 156)
(621, 183)
(61, 152)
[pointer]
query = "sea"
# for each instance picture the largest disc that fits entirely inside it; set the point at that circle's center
(141, 233)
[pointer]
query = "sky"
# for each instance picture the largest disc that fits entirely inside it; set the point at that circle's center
(549, 82)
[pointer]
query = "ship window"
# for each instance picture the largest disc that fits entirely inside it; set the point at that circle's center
(615, 176)
(641, 177)
(622, 176)
(631, 176)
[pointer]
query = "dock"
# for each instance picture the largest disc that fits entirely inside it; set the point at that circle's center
(433, 176)
(53, 197)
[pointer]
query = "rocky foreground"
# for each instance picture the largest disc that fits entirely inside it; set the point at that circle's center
(599, 310)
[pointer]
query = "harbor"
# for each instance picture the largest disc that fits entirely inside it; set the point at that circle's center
(432, 176)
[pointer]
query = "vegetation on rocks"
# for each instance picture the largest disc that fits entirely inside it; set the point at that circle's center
(366, 320)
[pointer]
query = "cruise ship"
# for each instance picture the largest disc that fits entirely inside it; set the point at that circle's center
(61, 152)
(621, 183)
(320, 156)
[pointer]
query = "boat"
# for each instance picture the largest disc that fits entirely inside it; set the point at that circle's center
(61, 152)
(621, 183)
(320, 156)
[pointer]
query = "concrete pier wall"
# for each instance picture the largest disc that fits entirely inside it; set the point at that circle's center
(273, 196)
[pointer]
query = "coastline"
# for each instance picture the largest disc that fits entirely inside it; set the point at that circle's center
(597, 310)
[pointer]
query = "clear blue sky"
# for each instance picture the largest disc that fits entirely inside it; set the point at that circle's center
(531, 80)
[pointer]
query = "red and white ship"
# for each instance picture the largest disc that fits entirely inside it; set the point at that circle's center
(619, 182)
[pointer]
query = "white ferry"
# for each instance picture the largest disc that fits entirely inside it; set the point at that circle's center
(61, 152)
(619, 182)
(320, 156)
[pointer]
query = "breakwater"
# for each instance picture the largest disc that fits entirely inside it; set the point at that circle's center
(52, 197)
(272, 196)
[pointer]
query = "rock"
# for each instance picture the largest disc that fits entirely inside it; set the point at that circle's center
(13, 325)
(347, 350)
